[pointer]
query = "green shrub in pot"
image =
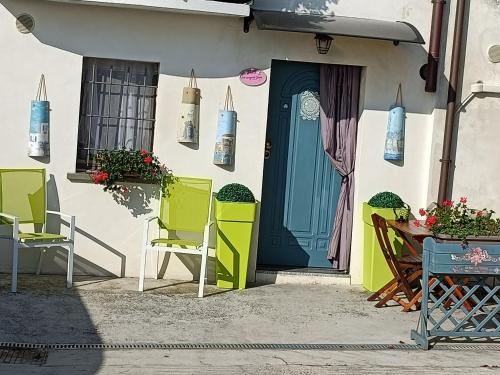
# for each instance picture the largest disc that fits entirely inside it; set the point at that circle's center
(235, 193)
(390, 206)
(235, 209)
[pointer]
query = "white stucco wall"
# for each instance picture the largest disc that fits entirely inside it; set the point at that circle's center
(476, 163)
(109, 234)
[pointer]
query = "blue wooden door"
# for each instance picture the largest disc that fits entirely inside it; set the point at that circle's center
(301, 188)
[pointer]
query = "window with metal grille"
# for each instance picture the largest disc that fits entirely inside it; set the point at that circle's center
(117, 107)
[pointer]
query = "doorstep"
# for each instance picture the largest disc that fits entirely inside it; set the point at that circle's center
(300, 276)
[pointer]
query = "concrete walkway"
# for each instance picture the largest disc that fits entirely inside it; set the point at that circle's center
(111, 311)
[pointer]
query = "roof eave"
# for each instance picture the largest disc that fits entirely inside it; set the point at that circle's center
(205, 7)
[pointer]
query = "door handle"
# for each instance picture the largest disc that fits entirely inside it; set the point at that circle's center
(267, 152)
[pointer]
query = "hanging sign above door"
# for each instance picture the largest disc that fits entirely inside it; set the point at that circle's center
(253, 77)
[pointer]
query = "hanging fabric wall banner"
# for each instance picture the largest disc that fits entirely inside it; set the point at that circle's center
(187, 131)
(395, 139)
(39, 123)
(226, 132)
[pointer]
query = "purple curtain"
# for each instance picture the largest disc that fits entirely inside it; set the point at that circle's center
(339, 98)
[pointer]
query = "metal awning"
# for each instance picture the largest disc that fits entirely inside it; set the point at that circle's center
(337, 25)
(206, 7)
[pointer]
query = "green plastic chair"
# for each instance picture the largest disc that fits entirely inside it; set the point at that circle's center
(184, 207)
(23, 200)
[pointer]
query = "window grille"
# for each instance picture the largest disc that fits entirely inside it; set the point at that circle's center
(117, 107)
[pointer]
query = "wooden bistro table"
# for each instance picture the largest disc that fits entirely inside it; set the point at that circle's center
(408, 230)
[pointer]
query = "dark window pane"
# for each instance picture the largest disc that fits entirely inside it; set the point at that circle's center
(147, 103)
(83, 137)
(112, 134)
(117, 107)
(118, 101)
(129, 132)
(147, 136)
(119, 76)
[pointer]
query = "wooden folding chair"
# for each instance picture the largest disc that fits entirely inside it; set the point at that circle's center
(404, 288)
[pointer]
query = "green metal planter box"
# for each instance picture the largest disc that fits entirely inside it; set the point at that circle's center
(376, 272)
(234, 237)
(460, 290)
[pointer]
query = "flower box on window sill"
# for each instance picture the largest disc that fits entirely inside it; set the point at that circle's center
(84, 177)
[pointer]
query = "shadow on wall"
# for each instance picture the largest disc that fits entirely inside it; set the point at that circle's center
(141, 35)
(54, 259)
(137, 198)
(54, 225)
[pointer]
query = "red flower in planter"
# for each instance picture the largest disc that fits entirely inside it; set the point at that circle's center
(463, 200)
(431, 220)
(417, 223)
(144, 152)
(479, 213)
(148, 160)
(447, 203)
(422, 212)
(100, 177)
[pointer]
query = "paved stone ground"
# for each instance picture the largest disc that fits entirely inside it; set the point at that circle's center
(111, 311)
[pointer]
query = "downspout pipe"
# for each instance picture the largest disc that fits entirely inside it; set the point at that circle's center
(434, 45)
(452, 101)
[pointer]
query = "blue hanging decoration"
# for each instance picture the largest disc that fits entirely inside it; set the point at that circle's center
(395, 138)
(39, 145)
(226, 133)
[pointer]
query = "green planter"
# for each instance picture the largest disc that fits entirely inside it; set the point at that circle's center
(234, 236)
(376, 272)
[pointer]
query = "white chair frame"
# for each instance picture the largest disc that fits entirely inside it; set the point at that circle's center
(201, 250)
(18, 243)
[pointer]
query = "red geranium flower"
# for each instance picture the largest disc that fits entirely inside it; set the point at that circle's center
(148, 160)
(422, 212)
(416, 223)
(463, 200)
(100, 177)
(144, 152)
(431, 220)
(447, 203)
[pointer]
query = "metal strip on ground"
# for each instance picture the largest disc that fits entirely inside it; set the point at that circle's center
(222, 346)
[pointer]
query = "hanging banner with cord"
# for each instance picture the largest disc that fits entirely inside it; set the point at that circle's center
(39, 145)
(226, 132)
(190, 113)
(395, 138)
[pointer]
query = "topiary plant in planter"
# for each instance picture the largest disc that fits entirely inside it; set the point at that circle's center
(235, 193)
(235, 209)
(390, 206)
(386, 199)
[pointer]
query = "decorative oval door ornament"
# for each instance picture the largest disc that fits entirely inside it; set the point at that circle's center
(309, 105)
(253, 77)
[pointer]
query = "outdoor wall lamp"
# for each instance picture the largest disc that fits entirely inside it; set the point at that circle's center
(323, 43)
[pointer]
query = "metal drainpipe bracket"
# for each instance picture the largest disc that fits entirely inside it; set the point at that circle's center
(476, 89)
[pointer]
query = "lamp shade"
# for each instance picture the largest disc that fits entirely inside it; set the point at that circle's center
(323, 43)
